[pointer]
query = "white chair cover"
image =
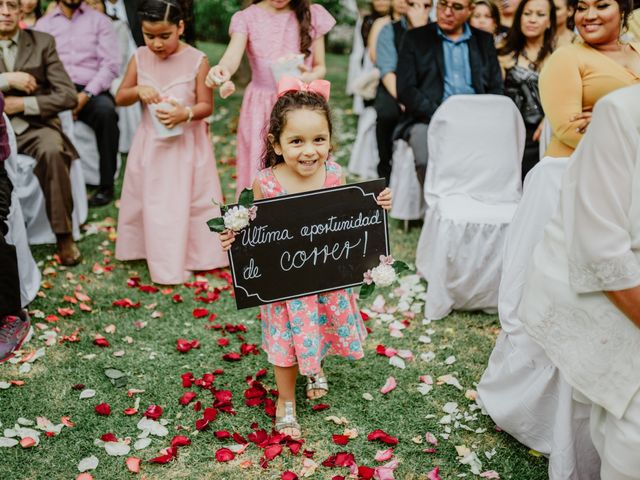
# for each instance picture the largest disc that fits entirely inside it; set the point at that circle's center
(545, 137)
(471, 188)
(364, 155)
(408, 201)
(32, 203)
(523, 392)
(84, 139)
(30, 275)
(28, 271)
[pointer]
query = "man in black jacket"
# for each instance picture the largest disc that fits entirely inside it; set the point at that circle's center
(439, 60)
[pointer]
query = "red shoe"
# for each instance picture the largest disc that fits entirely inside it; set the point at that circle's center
(14, 331)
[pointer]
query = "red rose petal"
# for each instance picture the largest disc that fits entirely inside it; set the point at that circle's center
(222, 434)
(100, 341)
(365, 473)
(103, 409)
(200, 312)
(319, 407)
(108, 437)
(187, 379)
(223, 342)
(224, 455)
(172, 452)
(289, 475)
(340, 439)
(202, 423)
(130, 411)
(261, 373)
(382, 436)
(187, 398)
(180, 441)
(210, 414)
(231, 357)
(272, 451)
(154, 412)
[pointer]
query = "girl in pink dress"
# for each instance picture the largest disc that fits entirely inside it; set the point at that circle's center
(171, 178)
(297, 334)
(272, 32)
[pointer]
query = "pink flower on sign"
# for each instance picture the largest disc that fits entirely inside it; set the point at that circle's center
(388, 260)
(368, 277)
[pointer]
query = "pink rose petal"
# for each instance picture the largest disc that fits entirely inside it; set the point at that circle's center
(389, 385)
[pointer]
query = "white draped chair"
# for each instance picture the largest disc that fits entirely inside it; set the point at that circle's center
(32, 201)
(30, 275)
(523, 392)
(364, 154)
(408, 200)
(84, 139)
(472, 188)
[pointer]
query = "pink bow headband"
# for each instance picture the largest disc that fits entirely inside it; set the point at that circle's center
(288, 83)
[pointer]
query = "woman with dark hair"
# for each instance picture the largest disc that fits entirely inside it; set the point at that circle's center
(31, 12)
(576, 76)
(485, 16)
(279, 36)
(528, 44)
(564, 23)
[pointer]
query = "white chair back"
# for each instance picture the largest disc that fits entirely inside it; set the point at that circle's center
(475, 144)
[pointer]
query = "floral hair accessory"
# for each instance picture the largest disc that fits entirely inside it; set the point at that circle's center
(235, 218)
(385, 274)
(288, 83)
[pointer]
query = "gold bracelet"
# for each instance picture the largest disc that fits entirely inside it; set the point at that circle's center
(190, 114)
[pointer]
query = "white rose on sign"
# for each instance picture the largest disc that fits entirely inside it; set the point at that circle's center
(238, 217)
(383, 275)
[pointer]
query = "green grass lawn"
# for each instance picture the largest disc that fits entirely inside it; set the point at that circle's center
(143, 347)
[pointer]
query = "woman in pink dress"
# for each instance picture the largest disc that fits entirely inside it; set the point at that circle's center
(272, 32)
(171, 177)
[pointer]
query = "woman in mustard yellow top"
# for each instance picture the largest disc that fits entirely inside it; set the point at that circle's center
(576, 76)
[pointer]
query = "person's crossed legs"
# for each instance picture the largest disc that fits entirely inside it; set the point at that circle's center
(100, 114)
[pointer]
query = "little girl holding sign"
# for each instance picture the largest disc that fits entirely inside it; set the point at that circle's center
(297, 334)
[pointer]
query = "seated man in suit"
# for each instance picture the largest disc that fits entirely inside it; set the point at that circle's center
(37, 88)
(439, 60)
(88, 47)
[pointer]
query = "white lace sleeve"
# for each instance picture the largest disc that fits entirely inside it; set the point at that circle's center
(597, 195)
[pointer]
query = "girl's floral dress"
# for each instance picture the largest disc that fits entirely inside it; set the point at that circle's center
(304, 330)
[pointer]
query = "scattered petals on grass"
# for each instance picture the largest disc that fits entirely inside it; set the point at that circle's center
(340, 439)
(170, 454)
(154, 412)
(183, 345)
(384, 455)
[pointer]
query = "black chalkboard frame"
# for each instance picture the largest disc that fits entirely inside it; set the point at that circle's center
(369, 190)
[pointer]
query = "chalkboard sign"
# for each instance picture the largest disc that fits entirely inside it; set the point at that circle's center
(308, 243)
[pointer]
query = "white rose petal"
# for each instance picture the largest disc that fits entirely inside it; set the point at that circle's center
(142, 443)
(88, 463)
(396, 361)
(117, 449)
(88, 393)
(8, 442)
(450, 360)
(427, 357)
(424, 388)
